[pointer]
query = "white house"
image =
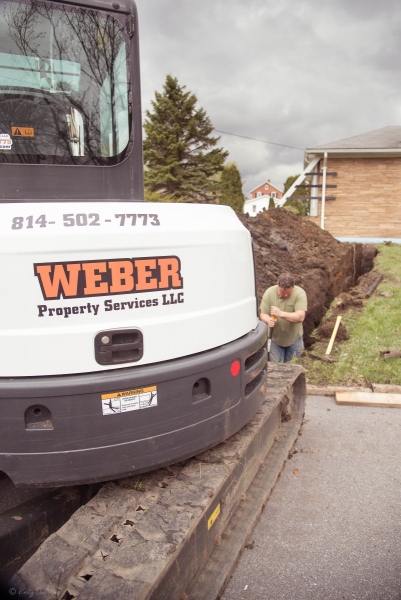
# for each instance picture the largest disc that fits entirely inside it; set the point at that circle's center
(260, 198)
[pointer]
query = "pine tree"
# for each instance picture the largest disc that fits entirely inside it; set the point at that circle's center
(231, 188)
(181, 158)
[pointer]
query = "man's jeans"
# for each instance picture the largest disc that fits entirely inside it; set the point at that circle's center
(280, 354)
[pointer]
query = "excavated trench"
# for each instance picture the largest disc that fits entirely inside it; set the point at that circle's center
(323, 266)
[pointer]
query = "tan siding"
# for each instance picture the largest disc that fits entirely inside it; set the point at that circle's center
(368, 198)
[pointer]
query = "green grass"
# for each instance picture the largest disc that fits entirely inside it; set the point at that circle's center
(375, 328)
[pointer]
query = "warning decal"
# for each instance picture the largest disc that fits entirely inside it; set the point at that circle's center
(23, 131)
(119, 402)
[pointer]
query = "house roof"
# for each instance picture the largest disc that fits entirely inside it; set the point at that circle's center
(385, 140)
(267, 182)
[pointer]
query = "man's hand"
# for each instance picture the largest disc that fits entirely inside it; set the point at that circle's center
(293, 317)
(276, 312)
(269, 320)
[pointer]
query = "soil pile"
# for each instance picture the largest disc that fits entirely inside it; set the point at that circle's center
(323, 266)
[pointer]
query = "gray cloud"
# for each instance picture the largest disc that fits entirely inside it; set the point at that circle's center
(294, 72)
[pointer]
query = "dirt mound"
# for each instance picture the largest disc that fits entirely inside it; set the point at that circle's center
(323, 266)
(366, 284)
(325, 330)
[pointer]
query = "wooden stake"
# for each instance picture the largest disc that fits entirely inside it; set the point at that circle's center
(333, 335)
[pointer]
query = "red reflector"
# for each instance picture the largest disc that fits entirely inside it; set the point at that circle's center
(235, 368)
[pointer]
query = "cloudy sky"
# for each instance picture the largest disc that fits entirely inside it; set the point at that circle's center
(295, 73)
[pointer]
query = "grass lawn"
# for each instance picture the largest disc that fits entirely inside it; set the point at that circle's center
(375, 328)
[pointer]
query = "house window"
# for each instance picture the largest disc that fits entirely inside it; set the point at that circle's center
(273, 195)
(254, 207)
(266, 187)
(258, 194)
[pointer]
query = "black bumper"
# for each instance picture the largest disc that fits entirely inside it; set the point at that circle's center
(54, 431)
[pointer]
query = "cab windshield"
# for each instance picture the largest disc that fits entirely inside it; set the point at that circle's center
(64, 85)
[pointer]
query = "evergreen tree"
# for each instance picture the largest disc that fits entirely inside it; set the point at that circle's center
(231, 188)
(180, 155)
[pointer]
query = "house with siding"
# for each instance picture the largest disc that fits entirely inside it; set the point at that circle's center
(259, 198)
(355, 186)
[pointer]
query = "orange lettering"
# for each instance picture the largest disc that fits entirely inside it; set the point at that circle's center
(144, 268)
(59, 284)
(93, 278)
(121, 276)
(169, 273)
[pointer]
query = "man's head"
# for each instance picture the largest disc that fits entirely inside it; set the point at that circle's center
(285, 284)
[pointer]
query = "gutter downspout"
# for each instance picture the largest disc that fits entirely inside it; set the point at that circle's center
(324, 171)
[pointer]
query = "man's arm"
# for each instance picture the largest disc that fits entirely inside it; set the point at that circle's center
(267, 319)
(265, 307)
(293, 317)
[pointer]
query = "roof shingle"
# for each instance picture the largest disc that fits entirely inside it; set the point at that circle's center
(385, 138)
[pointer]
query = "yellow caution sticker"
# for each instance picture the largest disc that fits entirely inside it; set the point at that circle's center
(128, 400)
(23, 131)
(214, 516)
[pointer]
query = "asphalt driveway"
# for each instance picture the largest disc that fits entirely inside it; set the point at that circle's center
(331, 529)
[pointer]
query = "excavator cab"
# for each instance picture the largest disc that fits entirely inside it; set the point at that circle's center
(64, 85)
(66, 79)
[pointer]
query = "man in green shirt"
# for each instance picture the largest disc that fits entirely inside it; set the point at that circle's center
(283, 308)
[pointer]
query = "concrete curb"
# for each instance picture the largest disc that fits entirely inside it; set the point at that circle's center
(330, 390)
(382, 388)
